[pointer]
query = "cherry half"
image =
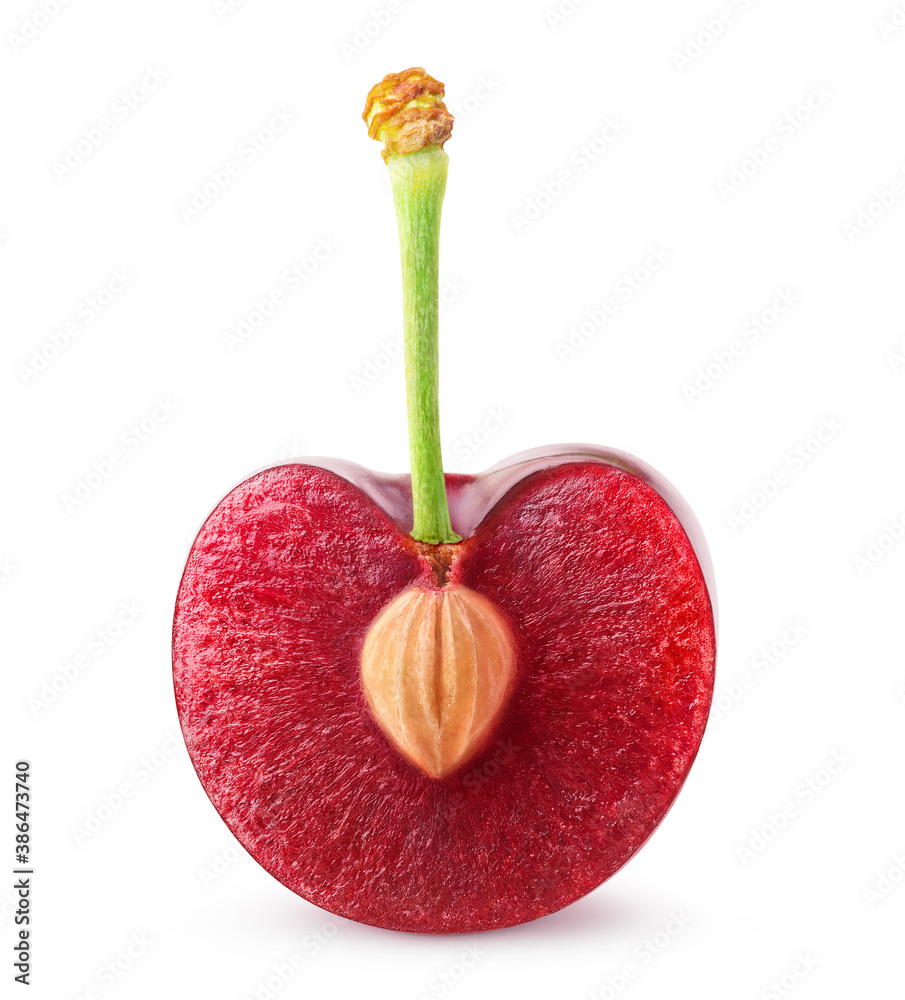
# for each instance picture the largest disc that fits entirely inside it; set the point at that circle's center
(597, 579)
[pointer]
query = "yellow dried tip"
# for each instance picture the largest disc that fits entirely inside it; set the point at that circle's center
(406, 112)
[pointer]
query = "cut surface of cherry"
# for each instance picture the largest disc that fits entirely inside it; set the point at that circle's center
(590, 559)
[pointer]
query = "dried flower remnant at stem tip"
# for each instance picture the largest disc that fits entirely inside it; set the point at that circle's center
(406, 111)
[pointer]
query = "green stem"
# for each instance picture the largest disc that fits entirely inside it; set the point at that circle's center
(419, 183)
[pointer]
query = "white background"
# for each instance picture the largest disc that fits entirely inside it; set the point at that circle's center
(783, 864)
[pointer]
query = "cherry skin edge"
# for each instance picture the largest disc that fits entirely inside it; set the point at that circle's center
(470, 499)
